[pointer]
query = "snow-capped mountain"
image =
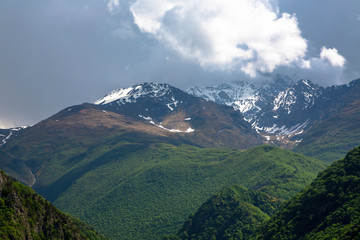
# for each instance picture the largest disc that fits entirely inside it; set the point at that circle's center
(244, 96)
(176, 111)
(280, 111)
(290, 111)
(145, 100)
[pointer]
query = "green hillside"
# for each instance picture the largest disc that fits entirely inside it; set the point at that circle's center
(234, 213)
(328, 209)
(134, 191)
(26, 215)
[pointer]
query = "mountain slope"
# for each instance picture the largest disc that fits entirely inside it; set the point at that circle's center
(131, 168)
(7, 134)
(339, 132)
(26, 215)
(234, 213)
(169, 108)
(305, 117)
(144, 115)
(148, 192)
(329, 208)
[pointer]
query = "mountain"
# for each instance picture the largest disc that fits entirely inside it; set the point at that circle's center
(328, 209)
(338, 131)
(140, 115)
(234, 213)
(136, 162)
(279, 110)
(204, 123)
(248, 98)
(26, 215)
(303, 117)
(7, 134)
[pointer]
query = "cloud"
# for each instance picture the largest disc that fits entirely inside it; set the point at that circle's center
(332, 55)
(250, 35)
(326, 69)
(112, 4)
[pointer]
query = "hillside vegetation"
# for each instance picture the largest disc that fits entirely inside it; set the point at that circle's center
(234, 213)
(26, 215)
(143, 193)
(327, 209)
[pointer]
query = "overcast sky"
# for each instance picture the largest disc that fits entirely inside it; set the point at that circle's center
(58, 53)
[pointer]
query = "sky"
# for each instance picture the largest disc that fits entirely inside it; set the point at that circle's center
(59, 53)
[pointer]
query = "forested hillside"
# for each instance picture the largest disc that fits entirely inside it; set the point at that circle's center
(26, 215)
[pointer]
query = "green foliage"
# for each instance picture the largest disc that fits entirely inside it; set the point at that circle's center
(26, 215)
(328, 209)
(137, 190)
(234, 213)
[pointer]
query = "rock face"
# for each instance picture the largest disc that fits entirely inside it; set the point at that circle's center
(26, 215)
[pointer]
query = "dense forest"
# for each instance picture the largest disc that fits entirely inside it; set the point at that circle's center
(329, 208)
(26, 215)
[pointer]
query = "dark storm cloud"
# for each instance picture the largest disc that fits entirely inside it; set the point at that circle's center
(58, 53)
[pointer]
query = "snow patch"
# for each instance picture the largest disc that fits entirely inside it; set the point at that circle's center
(34, 178)
(283, 130)
(189, 130)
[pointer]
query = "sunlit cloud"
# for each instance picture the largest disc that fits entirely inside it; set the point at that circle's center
(332, 55)
(250, 35)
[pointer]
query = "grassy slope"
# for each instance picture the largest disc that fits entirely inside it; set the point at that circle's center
(327, 209)
(26, 215)
(137, 191)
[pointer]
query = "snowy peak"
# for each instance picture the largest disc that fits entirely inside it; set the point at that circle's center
(226, 93)
(304, 93)
(131, 94)
(248, 98)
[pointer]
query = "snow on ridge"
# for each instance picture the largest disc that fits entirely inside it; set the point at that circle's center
(189, 130)
(226, 93)
(283, 130)
(131, 94)
(114, 95)
(6, 138)
(285, 99)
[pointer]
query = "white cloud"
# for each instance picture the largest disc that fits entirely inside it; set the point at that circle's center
(112, 4)
(332, 55)
(249, 35)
